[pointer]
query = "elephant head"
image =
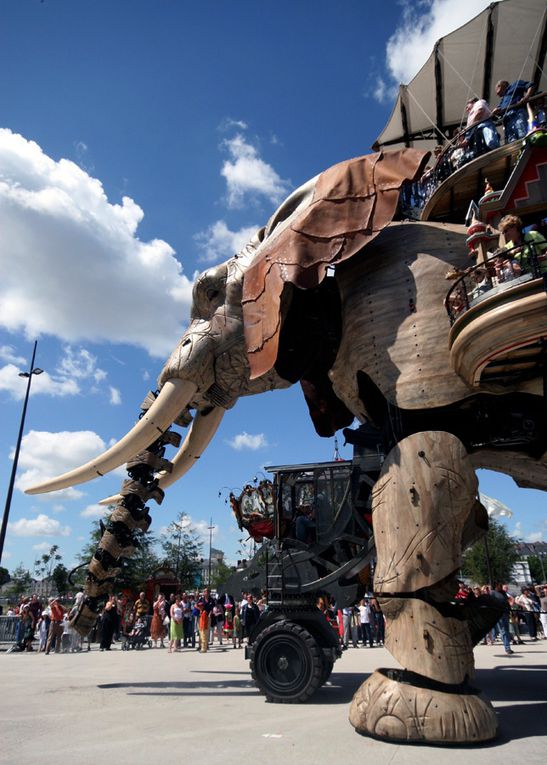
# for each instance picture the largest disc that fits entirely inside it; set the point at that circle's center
(250, 317)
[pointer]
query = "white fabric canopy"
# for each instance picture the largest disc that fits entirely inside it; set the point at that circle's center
(504, 42)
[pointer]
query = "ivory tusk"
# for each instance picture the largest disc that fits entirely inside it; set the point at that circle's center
(200, 434)
(173, 398)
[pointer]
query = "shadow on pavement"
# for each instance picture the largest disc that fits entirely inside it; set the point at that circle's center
(518, 693)
(526, 687)
(338, 690)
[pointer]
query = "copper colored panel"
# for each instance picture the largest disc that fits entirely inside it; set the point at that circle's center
(352, 202)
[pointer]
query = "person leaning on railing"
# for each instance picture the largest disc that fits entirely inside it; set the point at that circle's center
(524, 246)
(512, 107)
(481, 134)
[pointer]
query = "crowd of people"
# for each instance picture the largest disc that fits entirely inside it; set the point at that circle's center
(515, 114)
(525, 611)
(523, 253)
(193, 620)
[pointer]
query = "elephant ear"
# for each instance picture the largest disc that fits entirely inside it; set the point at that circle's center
(347, 207)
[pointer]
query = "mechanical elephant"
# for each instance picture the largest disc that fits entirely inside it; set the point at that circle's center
(343, 294)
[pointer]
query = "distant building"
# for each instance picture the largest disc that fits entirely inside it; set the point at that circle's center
(521, 569)
(217, 558)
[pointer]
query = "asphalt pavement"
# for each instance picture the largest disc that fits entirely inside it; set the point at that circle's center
(150, 706)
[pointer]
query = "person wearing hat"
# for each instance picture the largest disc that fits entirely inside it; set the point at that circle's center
(56, 625)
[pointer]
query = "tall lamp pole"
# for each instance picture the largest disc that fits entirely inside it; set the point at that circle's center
(32, 371)
(210, 527)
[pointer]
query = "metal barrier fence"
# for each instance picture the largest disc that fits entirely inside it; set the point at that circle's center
(8, 627)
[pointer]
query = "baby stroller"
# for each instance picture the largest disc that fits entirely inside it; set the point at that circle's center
(139, 636)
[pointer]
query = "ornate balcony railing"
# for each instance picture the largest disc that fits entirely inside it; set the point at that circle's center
(466, 145)
(505, 269)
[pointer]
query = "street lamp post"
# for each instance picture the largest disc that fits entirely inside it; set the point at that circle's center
(210, 527)
(32, 371)
(179, 529)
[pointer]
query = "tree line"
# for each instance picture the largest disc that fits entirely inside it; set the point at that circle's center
(180, 549)
(177, 547)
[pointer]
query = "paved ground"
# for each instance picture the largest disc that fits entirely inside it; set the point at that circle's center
(142, 707)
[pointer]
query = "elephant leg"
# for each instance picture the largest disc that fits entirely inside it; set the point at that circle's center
(421, 505)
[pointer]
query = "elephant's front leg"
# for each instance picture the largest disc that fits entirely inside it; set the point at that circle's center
(421, 502)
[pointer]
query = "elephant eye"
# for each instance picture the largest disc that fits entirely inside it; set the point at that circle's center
(212, 294)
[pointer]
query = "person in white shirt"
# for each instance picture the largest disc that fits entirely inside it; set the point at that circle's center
(366, 616)
(483, 136)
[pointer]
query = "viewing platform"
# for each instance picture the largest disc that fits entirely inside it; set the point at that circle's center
(498, 317)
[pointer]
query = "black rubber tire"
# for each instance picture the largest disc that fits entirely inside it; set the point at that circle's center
(286, 663)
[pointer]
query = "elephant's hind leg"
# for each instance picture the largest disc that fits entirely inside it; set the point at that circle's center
(421, 503)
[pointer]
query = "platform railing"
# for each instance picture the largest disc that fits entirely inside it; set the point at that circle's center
(505, 269)
(466, 145)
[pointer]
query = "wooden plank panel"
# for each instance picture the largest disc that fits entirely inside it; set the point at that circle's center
(395, 324)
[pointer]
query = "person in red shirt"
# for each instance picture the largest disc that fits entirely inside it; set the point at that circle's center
(56, 625)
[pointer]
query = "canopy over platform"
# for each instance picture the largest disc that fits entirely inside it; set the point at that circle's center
(507, 41)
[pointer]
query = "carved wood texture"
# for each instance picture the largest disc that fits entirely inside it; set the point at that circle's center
(388, 709)
(395, 323)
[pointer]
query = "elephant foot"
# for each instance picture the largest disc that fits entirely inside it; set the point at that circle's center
(403, 706)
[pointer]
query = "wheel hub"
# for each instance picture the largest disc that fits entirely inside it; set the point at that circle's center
(283, 663)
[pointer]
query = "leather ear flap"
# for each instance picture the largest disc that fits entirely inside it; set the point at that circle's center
(327, 412)
(345, 209)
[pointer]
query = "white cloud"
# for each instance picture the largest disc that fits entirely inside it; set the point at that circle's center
(534, 536)
(75, 251)
(94, 511)
(382, 91)
(80, 364)
(421, 25)
(115, 396)
(44, 455)
(7, 353)
(42, 546)
(42, 526)
(218, 242)
(44, 383)
(246, 173)
(248, 441)
(6, 554)
(228, 124)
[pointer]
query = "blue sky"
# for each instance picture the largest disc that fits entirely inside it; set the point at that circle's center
(140, 141)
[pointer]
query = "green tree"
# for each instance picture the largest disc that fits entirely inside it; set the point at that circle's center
(59, 576)
(43, 567)
(537, 569)
(20, 582)
(502, 554)
(4, 576)
(135, 570)
(141, 565)
(221, 574)
(182, 550)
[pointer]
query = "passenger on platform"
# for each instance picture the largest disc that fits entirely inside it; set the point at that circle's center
(524, 246)
(511, 108)
(505, 269)
(481, 283)
(481, 135)
(305, 523)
